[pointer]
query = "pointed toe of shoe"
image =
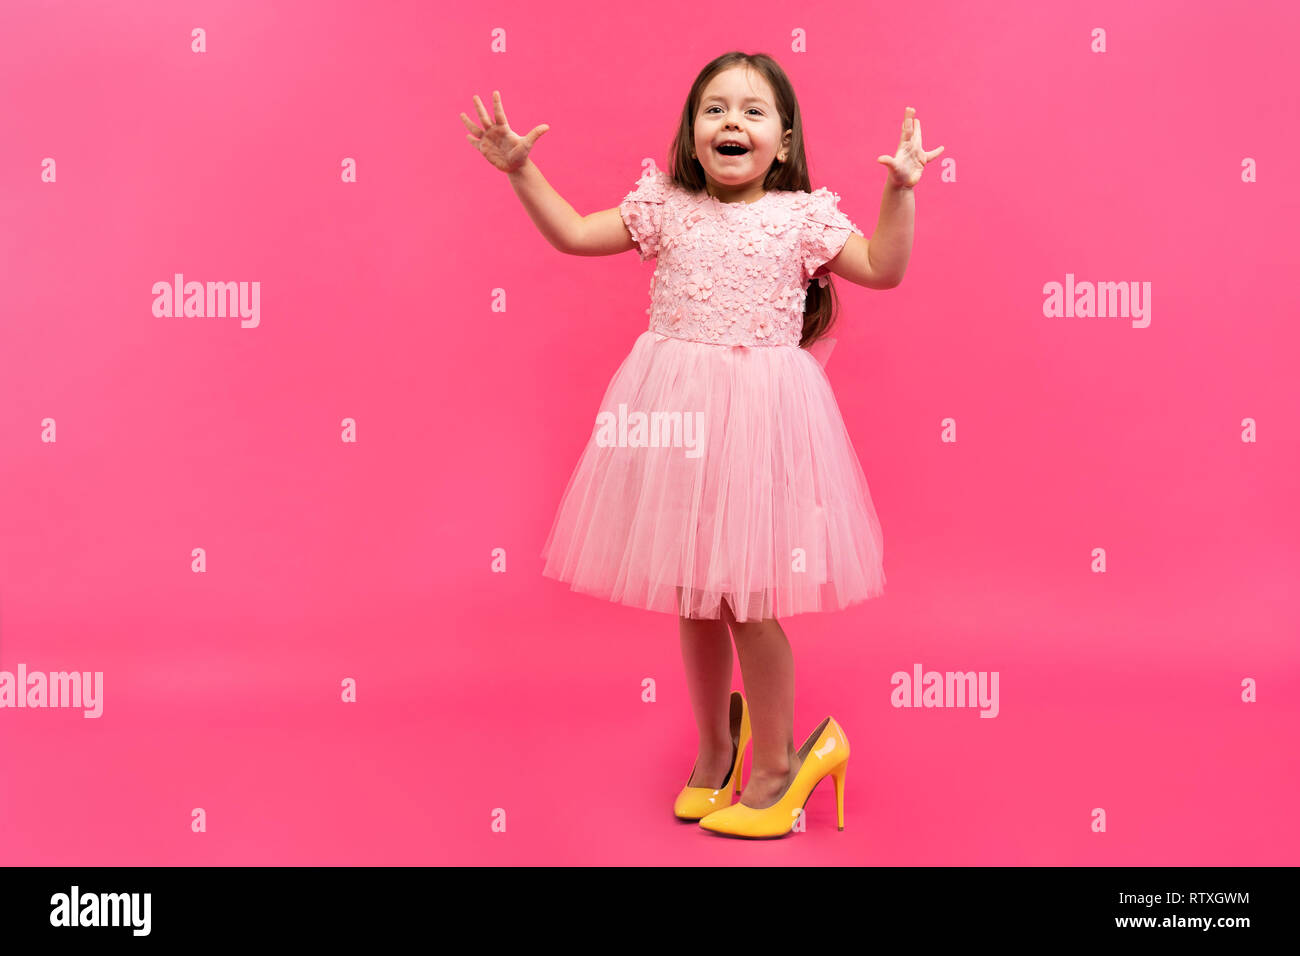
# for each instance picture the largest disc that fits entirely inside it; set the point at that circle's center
(693, 803)
(711, 822)
(742, 821)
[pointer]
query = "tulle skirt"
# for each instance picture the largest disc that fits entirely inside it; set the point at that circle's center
(718, 472)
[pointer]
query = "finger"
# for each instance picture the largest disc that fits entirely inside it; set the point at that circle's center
(482, 112)
(534, 134)
(907, 122)
(498, 110)
(933, 154)
(469, 124)
(916, 131)
(887, 160)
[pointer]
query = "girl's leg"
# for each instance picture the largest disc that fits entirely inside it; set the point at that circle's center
(706, 652)
(767, 665)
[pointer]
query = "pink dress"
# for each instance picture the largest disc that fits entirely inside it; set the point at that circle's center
(719, 466)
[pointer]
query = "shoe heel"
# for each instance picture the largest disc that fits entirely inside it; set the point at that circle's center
(838, 775)
(746, 734)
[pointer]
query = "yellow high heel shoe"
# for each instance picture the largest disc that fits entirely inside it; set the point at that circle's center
(825, 753)
(694, 802)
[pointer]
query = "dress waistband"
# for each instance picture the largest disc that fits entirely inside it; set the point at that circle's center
(819, 350)
(724, 345)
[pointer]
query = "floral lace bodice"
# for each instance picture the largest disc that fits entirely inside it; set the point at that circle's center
(732, 273)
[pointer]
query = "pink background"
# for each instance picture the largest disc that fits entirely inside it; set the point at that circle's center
(371, 560)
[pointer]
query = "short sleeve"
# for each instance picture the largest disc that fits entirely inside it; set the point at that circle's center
(825, 231)
(643, 211)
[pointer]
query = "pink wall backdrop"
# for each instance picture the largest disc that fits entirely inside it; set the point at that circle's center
(129, 440)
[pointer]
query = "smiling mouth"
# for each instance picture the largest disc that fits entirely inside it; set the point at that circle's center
(731, 149)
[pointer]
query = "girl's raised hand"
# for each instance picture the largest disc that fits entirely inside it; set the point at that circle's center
(905, 166)
(500, 145)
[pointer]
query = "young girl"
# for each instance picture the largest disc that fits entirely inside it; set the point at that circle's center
(743, 500)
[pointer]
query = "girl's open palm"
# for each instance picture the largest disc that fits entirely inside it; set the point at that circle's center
(905, 166)
(500, 145)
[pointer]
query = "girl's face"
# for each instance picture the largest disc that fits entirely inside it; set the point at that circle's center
(737, 106)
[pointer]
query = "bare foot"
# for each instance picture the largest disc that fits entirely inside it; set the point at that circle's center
(765, 789)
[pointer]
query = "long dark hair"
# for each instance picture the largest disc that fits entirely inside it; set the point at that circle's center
(685, 170)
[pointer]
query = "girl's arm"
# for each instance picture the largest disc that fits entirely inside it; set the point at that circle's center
(879, 263)
(603, 234)
(599, 234)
